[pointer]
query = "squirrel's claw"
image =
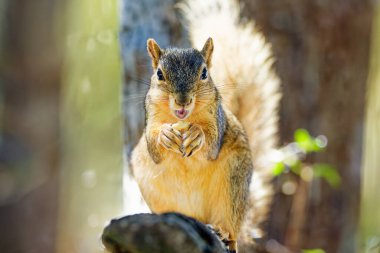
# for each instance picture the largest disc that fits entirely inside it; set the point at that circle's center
(194, 146)
(224, 236)
(170, 139)
(193, 141)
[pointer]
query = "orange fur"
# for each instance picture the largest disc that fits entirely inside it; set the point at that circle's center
(212, 184)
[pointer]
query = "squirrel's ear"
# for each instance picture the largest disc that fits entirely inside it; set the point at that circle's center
(207, 50)
(154, 51)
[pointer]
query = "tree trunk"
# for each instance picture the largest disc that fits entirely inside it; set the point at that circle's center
(30, 70)
(370, 215)
(322, 52)
(91, 168)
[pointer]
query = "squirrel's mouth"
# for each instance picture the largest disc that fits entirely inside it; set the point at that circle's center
(181, 113)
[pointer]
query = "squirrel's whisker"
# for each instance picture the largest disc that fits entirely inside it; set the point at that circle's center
(139, 80)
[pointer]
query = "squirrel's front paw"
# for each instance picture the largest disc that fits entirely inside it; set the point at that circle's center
(170, 138)
(193, 140)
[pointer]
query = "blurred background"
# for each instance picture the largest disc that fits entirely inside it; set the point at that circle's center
(71, 110)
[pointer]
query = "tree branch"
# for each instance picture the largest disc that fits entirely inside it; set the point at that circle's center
(166, 233)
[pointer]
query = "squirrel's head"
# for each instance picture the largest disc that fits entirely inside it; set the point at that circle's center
(181, 77)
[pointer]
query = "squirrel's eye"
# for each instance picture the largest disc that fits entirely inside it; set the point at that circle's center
(160, 75)
(204, 74)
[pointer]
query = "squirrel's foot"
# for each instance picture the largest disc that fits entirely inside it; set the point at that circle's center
(170, 138)
(193, 140)
(225, 237)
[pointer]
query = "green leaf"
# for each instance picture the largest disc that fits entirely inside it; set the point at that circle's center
(278, 168)
(305, 141)
(327, 172)
(313, 251)
(296, 167)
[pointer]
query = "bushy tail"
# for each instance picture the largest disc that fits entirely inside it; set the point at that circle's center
(242, 69)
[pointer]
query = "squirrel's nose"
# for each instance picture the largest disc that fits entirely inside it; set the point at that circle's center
(183, 101)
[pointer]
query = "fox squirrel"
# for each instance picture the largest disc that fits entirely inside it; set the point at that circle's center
(199, 161)
(194, 156)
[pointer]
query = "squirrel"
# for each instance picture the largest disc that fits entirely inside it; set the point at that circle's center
(201, 166)
(207, 128)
